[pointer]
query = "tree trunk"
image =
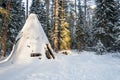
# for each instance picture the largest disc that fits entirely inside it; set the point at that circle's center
(3, 38)
(85, 22)
(56, 27)
(47, 10)
(26, 9)
(75, 8)
(3, 45)
(20, 7)
(85, 10)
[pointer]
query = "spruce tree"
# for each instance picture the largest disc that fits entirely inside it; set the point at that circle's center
(100, 49)
(4, 15)
(11, 25)
(116, 45)
(38, 7)
(80, 35)
(16, 22)
(105, 22)
(51, 23)
(72, 20)
(64, 38)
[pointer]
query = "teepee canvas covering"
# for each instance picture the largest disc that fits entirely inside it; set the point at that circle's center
(31, 39)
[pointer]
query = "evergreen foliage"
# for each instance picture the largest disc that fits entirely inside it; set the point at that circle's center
(3, 30)
(116, 45)
(72, 29)
(80, 35)
(64, 36)
(100, 49)
(16, 22)
(11, 24)
(38, 7)
(105, 22)
(3, 13)
(72, 20)
(64, 28)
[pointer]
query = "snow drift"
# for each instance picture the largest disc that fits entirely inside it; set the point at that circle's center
(76, 66)
(31, 39)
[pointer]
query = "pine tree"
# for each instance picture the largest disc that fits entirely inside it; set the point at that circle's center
(100, 49)
(4, 15)
(72, 22)
(116, 45)
(56, 26)
(85, 14)
(64, 37)
(80, 35)
(38, 7)
(11, 24)
(26, 9)
(47, 17)
(105, 15)
(51, 23)
(16, 22)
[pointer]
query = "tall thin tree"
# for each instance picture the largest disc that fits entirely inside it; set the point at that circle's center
(56, 27)
(3, 37)
(85, 13)
(26, 9)
(64, 36)
(47, 17)
(79, 32)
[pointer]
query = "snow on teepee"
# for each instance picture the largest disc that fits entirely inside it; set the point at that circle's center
(31, 39)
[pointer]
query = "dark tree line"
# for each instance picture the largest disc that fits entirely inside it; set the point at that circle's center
(11, 24)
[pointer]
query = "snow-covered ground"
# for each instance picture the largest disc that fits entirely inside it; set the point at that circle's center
(75, 66)
(83, 66)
